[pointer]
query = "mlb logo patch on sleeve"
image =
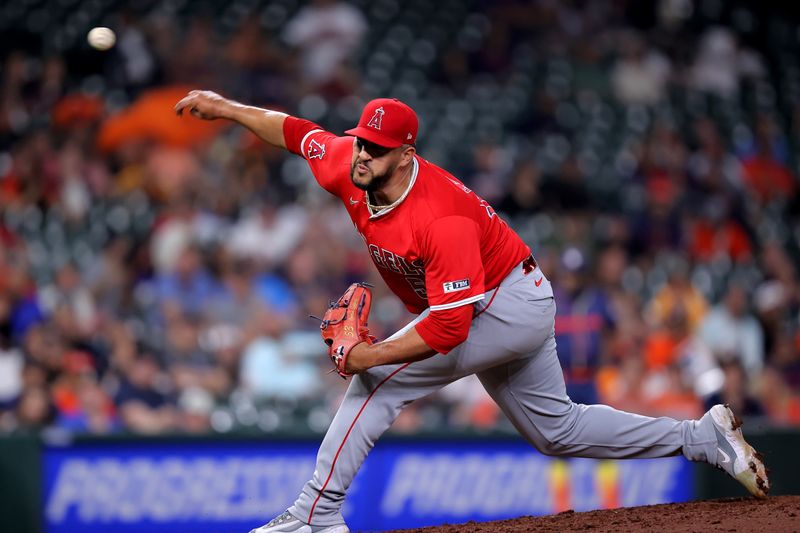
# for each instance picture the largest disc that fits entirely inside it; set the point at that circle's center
(455, 286)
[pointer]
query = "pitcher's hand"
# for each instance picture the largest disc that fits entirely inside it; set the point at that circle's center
(206, 105)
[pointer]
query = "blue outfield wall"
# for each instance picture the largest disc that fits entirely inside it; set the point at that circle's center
(232, 486)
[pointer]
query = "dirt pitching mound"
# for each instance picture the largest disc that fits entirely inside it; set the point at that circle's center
(775, 514)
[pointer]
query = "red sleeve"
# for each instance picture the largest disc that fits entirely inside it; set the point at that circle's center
(328, 156)
(453, 266)
(444, 330)
(295, 131)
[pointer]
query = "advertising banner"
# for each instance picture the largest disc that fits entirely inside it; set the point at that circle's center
(225, 487)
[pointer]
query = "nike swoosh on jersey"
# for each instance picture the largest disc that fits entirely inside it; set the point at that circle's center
(725, 457)
(538, 281)
(353, 202)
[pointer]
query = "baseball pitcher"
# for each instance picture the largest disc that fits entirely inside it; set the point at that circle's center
(484, 306)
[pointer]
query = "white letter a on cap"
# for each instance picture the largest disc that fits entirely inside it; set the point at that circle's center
(377, 119)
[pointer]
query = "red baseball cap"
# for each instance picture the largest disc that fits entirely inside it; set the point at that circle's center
(387, 122)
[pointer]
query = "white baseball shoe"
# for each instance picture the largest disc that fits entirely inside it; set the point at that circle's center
(286, 523)
(740, 460)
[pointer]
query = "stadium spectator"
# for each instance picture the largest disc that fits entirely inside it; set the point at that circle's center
(524, 192)
(267, 234)
(69, 298)
(733, 333)
(189, 363)
(768, 133)
(714, 170)
(188, 289)
(144, 406)
(269, 371)
(677, 291)
(781, 403)
(195, 405)
(735, 392)
(641, 73)
(12, 360)
(583, 318)
(673, 345)
(722, 62)
(137, 63)
(765, 176)
(567, 190)
(258, 66)
(84, 406)
(34, 410)
(327, 33)
(671, 395)
(785, 358)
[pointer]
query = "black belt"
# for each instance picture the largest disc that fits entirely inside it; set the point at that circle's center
(529, 264)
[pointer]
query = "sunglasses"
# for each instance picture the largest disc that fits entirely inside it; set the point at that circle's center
(375, 151)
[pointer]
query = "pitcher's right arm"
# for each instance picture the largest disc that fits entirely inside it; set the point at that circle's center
(208, 105)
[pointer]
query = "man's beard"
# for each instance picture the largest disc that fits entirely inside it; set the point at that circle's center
(377, 181)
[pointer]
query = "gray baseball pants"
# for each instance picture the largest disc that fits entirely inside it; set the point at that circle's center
(512, 349)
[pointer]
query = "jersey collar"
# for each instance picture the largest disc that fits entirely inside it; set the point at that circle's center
(390, 207)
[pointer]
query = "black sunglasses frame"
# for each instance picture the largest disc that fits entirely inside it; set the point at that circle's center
(374, 150)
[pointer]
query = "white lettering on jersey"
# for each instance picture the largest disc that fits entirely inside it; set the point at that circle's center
(391, 261)
(413, 272)
(489, 209)
(375, 253)
(460, 185)
(415, 269)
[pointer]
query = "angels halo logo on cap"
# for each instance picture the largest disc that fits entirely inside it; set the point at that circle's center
(377, 119)
(387, 122)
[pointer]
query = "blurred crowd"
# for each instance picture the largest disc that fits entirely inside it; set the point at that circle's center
(156, 273)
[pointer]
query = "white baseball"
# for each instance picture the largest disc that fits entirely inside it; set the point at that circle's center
(101, 38)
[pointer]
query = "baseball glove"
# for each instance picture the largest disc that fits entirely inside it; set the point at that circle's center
(344, 324)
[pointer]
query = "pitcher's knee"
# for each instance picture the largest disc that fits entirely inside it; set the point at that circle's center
(557, 433)
(553, 448)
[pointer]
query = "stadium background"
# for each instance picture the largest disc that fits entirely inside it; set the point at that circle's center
(156, 273)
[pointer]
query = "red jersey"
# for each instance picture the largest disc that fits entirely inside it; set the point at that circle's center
(438, 246)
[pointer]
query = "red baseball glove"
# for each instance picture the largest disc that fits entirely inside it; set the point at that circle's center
(345, 324)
